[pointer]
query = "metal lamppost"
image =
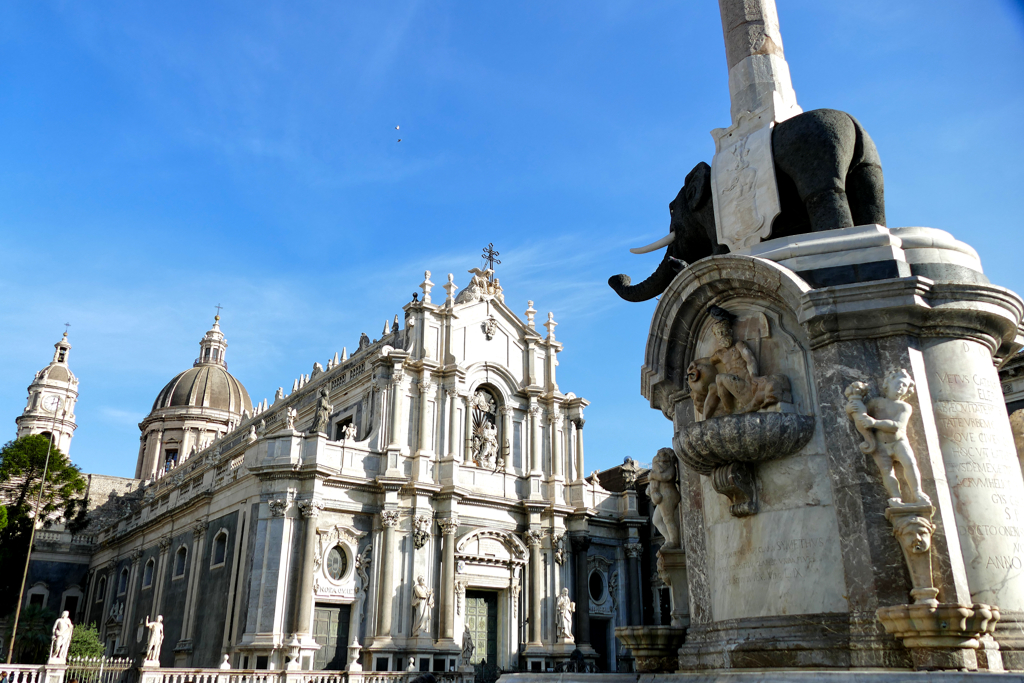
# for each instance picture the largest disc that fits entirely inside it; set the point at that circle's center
(32, 534)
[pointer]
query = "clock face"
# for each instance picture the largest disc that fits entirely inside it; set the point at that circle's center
(50, 403)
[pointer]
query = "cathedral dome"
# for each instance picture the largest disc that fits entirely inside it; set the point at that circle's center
(207, 385)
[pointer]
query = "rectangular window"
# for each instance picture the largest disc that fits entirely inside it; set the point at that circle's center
(36, 599)
(71, 605)
(170, 459)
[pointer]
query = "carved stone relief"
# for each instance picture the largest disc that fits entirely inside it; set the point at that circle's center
(746, 411)
(882, 423)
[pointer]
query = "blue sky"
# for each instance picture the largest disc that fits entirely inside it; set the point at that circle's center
(159, 158)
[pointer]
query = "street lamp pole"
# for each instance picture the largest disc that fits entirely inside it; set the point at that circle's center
(32, 533)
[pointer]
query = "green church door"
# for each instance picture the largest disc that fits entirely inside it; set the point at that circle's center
(330, 631)
(482, 624)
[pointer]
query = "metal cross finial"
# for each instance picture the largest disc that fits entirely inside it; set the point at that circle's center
(489, 255)
(218, 307)
(66, 326)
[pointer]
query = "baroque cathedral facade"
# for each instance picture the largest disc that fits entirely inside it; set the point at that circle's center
(419, 504)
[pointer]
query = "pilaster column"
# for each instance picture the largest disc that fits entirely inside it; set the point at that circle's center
(448, 529)
(426, 444)
(506, 430)
(579, 422)
(580, 545)
(198, 529)
(534, 537)
(133, 593)
(397, 392)
(158, 600)
(453, 423)
(556, 442)
(310, 510)
(633, 551)
(388, 520)
(536, 441)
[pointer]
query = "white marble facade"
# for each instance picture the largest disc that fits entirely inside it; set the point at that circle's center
(446, 450)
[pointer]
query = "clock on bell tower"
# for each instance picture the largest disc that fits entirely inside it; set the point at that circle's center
(50, 408)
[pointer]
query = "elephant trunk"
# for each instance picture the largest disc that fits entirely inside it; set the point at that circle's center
(654, 285)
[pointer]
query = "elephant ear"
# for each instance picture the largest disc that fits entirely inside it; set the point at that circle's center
(697, 186)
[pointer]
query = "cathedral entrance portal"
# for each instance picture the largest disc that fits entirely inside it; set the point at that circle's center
(330, 631)
(482, 625)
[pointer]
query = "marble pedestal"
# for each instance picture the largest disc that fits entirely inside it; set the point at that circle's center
(800, 582)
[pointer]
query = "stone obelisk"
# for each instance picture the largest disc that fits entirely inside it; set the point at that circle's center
(743, 174)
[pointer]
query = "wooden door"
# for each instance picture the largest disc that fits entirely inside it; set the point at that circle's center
(330, 631)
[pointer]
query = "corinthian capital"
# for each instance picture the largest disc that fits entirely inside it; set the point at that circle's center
(534, 537)
(634, 549)
(449, 526)
(310, 508)
(389, 518)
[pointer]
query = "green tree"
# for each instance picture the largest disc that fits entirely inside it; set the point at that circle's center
(3, 517)
(85, 642)
(35, 631)
(21, 473)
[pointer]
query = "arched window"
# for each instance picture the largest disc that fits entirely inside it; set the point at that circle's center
(122, 582)
(147, 573)
(487, 451)
(179, 562)
(101, 589)
(220, 549)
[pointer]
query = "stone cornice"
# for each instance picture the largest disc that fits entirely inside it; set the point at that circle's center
(914, 306)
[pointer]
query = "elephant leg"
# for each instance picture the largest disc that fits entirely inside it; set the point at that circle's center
(828, 208)
(815, 149)
(865, 191)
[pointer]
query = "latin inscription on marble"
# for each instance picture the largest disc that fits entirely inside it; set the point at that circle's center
(982, 469)
(776, 563)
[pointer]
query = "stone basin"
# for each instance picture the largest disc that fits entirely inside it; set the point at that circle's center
(654, 648)
(745, 438)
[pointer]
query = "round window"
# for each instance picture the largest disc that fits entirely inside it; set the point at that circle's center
(596, 586)
(337, 562)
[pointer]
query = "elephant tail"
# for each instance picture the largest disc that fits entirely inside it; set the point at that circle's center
(654, 285)
(865, 185)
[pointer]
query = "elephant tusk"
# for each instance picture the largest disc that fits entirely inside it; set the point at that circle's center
(654, 246)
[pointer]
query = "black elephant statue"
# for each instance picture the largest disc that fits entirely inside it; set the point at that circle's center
(828, 174)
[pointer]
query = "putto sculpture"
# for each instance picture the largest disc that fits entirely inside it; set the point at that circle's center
(664, 494)
(882, 421)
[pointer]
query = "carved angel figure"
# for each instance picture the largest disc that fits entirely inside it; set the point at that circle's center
(349, 431)
(565, 607)
(665, 496)
(888, 416)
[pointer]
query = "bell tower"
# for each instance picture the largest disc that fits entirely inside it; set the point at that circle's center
(51, 400)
